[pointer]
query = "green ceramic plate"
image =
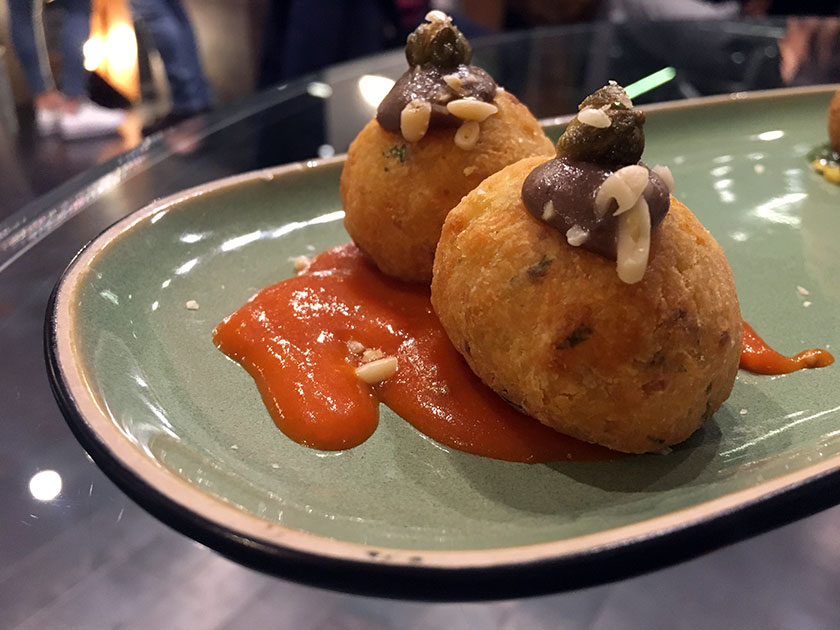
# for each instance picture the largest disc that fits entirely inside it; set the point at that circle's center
(182, 429)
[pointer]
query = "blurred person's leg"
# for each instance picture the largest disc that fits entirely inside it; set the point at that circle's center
(169, 27)
(67, 111)
(75, 31)
(30, 46)
(80, 118)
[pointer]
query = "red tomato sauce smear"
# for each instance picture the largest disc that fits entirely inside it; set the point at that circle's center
(293, 337)
(759, 358)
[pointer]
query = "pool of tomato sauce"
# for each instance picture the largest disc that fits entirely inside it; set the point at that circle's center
(292, 338)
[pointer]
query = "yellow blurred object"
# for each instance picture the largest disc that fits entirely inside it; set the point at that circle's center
(829, 170)
(111, 50)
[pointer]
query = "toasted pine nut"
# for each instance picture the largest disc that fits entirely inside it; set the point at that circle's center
(302, 263)
(467, 135)
(356, 347)
(377, 371)
(665, 175)
(414, 120)
(576, 236)
(372, 354)
(625, 185)
(471, 109)
(453, 81)
(437, 16)
(594, 117)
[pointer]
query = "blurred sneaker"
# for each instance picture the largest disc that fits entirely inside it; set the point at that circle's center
(89, 121)
(47, 121)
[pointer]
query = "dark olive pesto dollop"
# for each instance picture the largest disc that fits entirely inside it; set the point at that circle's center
(571, 187)
(587, 155)
(426, 83)
(435, 50)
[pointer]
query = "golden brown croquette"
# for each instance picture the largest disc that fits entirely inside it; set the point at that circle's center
(396, 194)
(552, 329)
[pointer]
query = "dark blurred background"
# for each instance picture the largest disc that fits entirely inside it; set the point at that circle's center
(245, 46)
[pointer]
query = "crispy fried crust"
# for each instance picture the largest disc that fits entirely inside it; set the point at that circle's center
(552, 329)
(396, 194)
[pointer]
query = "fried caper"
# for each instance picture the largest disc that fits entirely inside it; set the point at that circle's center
(439, 43)
(619, 144)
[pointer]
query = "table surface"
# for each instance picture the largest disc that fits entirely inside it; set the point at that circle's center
(90, 558)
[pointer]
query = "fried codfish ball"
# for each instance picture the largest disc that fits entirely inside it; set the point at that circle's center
(552, 329)
(834, 122)
(396, 194)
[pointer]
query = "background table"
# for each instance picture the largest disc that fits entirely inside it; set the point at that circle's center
(90, 558)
